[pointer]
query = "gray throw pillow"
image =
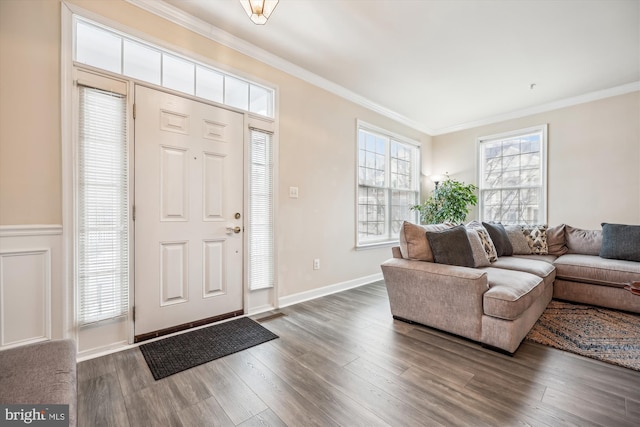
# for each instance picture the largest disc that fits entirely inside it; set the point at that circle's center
(518, 240)
(620, 242)
(451, 247)
(500, 238)
(480, 257)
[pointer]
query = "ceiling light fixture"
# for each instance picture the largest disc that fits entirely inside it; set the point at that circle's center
(259, 10)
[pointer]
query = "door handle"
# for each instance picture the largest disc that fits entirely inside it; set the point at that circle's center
(233, 230)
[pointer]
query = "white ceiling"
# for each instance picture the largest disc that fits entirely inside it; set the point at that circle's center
(442, 65)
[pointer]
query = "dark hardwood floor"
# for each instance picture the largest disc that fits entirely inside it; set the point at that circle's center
(343, 360)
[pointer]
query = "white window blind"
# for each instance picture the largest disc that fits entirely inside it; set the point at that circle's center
(261, 242)
(102, 267)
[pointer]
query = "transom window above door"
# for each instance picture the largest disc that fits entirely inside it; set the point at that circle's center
(108, 49)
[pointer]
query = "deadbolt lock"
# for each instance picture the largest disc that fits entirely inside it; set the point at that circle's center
(237, 215)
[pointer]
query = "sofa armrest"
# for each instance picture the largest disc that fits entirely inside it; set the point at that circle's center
(430, 293)
(395, 251)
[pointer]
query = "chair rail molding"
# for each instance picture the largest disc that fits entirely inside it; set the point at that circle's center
(30, 230)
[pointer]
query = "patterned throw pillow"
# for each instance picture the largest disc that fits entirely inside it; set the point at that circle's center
(487, 243)
(537, 238)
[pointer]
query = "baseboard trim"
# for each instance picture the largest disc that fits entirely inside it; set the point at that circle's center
(327, 290)
(30, 230)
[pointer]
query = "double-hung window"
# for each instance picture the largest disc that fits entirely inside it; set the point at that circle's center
(388, 184)
(513, 176)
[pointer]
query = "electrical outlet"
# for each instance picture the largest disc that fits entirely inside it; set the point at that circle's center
(293, 192)
(316, 264)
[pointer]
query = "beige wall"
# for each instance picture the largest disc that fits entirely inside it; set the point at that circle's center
(594, 158)
(317, 138)
(30, 158)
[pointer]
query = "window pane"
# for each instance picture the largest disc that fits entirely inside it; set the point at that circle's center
(236, 93)
(209, 84)
(178, 74)
(261, 100)
(141, 62)
(98, 48)
(371, 204)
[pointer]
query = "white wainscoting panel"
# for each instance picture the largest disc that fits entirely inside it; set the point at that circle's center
(31, 296)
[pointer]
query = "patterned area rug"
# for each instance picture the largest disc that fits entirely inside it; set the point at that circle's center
(599, 333)
(175, 354)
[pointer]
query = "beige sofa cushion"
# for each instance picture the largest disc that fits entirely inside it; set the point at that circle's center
(596, 270)
(510, 292)
(414, 243)
(546, 258)
(539, 268)
(480, 257)
(584, 242)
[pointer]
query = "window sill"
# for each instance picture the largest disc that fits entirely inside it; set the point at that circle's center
(386, 244)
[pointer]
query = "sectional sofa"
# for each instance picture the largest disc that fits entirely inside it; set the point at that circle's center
(490, 283)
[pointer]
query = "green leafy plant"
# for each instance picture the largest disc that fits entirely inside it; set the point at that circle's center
(449, 202)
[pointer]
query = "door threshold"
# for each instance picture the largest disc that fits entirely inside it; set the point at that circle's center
(185, 326)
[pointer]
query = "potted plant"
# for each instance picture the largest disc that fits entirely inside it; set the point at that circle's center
(449, 202)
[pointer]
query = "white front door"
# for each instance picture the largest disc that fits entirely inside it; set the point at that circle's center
(188, 212)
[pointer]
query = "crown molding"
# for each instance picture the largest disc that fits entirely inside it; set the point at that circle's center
(555, 105)
(177, 16)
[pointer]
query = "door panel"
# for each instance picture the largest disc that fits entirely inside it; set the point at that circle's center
(188, 189)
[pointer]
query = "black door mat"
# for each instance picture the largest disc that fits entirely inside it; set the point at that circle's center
(175, 354)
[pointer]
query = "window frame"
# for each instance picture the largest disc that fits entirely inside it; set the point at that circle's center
(543, 168)
(270, 175)
(102, 82)
(415, 146)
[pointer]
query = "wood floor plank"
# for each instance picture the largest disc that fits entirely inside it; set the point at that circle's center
(286, 403)
(204, 414)
(329, 399)
(586, 407)
(133, 372)
(265, 418)
(430, 396)
(234, 396)
(380, 401)
(152, 406)
(100, 401)
(96, 367)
